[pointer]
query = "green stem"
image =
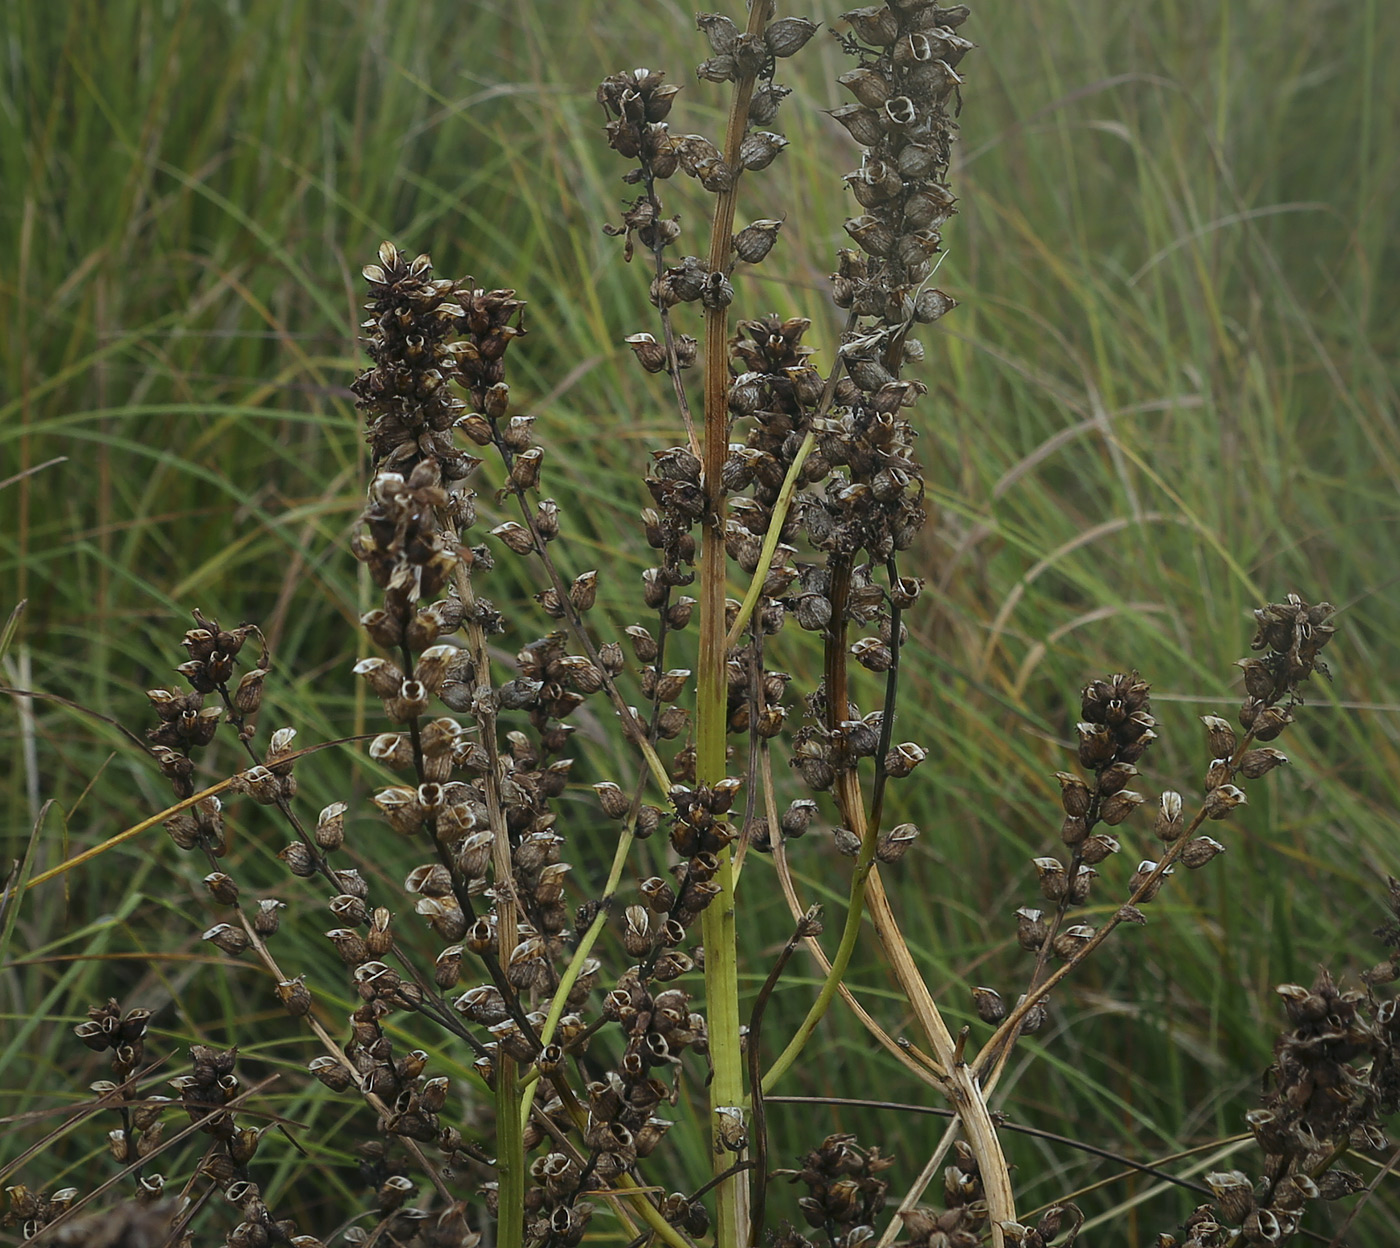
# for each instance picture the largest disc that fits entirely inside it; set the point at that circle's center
(711, 727)
(855, 910)
(510, 1156)
(771, 540)
(575, 968)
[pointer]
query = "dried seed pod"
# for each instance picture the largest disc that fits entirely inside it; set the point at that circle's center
(583, 593)
(874, 24)
(268, 916)
(875, 238)
(1054, 880)
(902, 760)
(659, 895)
(1071, 941)
(931, 305)
(863, 124)
(755, 241)
(1234, 1193)
(299, 859)
(447, 968)
(516, 536)
(1200, 850)
(394, 750)
(1220, 736)
(614, 801)
(899, 111)
(670, 685)
(1219, 772)
(295, 996)
(672, 965)
(760, 148)
(847, 842)
(119, 1145)
(717, 292)
(651, 355)
(873, 654)
(1142, 879)
(247, 697)
(1293, 1193)
(232, 940)
(1270, 722)
(1261, 1226)
(1031, 928)
(330, 826)
(1075, 796)
(383, 678)
(1221, 801)
(990, 1007)
(636, 937)
(1114, 809)
(870, 87)
(1079, 886)
(767, 99)
(721, 31)
(894, 843)
(1115, 777)
(1074, 829)
(788, 35)
(1097, 847)
(1256, 763)
(349, 944)
(380, 938)
(221, 887)
(1169, 825)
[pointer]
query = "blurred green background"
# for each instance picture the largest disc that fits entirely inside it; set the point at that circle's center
(1169, 394)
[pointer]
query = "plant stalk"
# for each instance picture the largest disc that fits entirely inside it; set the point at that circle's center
(717, 921)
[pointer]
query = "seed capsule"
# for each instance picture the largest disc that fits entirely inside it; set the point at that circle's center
(295, 996)
(1075, 796)
(221, 887)
(990, 1007)
(874, 24)
(516, 536)
(1169, 826)
(299, 859)
(1220, 802)
(1119, 806)
(1053, 878)
(788, 35)
(894, 843)
(1199, 851)
(232, 940)
(754, 242)
(1097, 847)
(863, 124)
(870, 87)
(1256, 763)
(760, 148)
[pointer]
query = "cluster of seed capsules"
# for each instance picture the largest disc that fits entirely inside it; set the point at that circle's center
(412, 542)
(1334, 1082)
(845, 1193)
(861, 486)
(1115, 730)
(186, 725)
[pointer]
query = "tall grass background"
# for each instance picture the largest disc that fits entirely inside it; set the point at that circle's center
(1169, 394)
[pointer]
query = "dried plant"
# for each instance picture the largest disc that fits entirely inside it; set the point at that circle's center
(804, 485)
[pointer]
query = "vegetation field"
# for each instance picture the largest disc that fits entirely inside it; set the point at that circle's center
(1169, 394)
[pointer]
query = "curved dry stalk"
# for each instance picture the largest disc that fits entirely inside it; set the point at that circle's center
(892, 1046)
